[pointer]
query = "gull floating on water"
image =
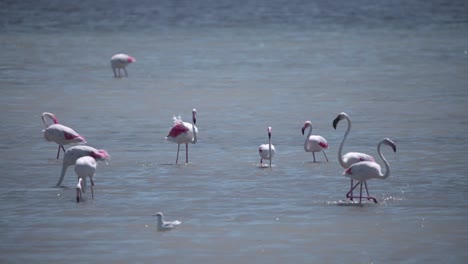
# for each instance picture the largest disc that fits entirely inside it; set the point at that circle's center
(166, 225)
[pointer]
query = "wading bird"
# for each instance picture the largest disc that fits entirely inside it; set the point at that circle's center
(183, 133)
(267, 151)
(121, 61)
(314, 143)
(84, 167)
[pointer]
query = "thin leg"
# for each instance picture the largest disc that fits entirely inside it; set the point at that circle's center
(125, 70)
(313, 153)
(351, 188)
(177, 159)
(186, 153)
(115, 72)
(349, 194)
(325, 155)
(368, 196)
(58, 152)
(360, 194)
(261, 162)
(270, 162)
(92, 184)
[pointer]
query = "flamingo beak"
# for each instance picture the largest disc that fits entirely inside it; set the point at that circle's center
(335, 122)
(303, 128)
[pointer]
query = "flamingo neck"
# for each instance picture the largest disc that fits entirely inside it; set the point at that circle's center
(387, 166)
(50, 116)
(340, 150)
(194, 139)
(307, 138)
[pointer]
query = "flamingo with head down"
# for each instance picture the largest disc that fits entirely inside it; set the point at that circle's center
(314, 143)
(183, 133)
(60, 134)
(121, 61)
(84, 167)
(366, 170)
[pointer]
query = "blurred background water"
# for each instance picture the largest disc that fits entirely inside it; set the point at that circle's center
(398, 68)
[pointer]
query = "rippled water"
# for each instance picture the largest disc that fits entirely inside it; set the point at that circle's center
(398, 70)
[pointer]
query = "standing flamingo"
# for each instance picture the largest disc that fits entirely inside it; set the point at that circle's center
(183, 133)
(349, 158)
(120, 61)
(60, 134)
(76, 152)
(84, 167)
(314, 143)
(365, 170)
(267, 151)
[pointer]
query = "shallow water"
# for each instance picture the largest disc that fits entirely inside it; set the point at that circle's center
(398, 78)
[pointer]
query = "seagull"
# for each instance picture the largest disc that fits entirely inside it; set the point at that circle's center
(166, 225)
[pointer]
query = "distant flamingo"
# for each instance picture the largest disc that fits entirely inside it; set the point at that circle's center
(84, 167)
(120, 61)
(60, 134)
(366, 170)
(314, 143)
(267, 151)
(76, 152)
(183, 133)
(349, 158)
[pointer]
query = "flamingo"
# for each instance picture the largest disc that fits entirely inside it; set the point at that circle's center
(84, 167)
(366, 170)
(349, 158)
(314, 143)
(183, 133)
(267, 151)
(120, 61)
(166, 225)
(60, 134)
(76, 152)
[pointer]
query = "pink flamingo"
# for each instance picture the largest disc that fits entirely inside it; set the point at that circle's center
(76, 152)
(84, 167)
(314, 143)
(183, 133)
(120, 61)
(349, 158)
(60, 134)
(267, 151)
(366, 170)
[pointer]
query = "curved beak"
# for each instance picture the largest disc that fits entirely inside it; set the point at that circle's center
(303, 128)
(335, 122)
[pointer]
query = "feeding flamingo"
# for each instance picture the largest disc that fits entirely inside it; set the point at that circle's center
(60, 134)
(314, 143)
(84, 167)
(76, 152)
(166, 225)
(267, 151)
(183, 133)
(349, 158)
(366, 170)
(120, 61)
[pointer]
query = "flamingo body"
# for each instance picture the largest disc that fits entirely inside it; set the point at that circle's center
(267, 151)
(314, 143)
(84, 167)
(121, 61)
(74, 153)
(183, 133)
(354, 157)
(166, 225)
(60, 134)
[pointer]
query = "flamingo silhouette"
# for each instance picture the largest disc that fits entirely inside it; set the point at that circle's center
(120, 61)
(314, 143)
(267, 151)
(349, 158)
(76, 152)
(366, 170)
(183, 133)
(60, 134)
(84, 167)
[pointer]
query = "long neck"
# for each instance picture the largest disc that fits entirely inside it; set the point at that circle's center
(269, 148)
(387, 166)
(307, 138)
(340, 150)
(194, 140)
(46, 115)
(62, 175)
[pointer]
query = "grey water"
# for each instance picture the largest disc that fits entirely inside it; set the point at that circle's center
(398, 68)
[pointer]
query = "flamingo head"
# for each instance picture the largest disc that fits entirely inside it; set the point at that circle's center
(130, 59)
(340, 117)
(306, 125)
(79, 187)
(100, 155)
(194, 115)
(269, 132)
(390, 143)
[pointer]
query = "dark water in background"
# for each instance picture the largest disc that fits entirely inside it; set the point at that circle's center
(398, 68)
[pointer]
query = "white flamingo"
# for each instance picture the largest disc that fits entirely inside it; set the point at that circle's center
(314, 143)
(60, 134)
(349, 158)
(120, 61)
(366, 170)
(183, 133)
(267, 151)
(166, 225)
(84, 167)
(76, 152)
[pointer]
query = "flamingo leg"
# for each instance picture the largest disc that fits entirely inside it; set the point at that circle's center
(261, 162)
(325, 155)
(125, 70)
(177, 159)
(270, 162)
(360, 194)
(58, 151)
(92, 184)
(313, 154)
(368, 196)
(186, 153)
(350, 193)
(351, 188)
